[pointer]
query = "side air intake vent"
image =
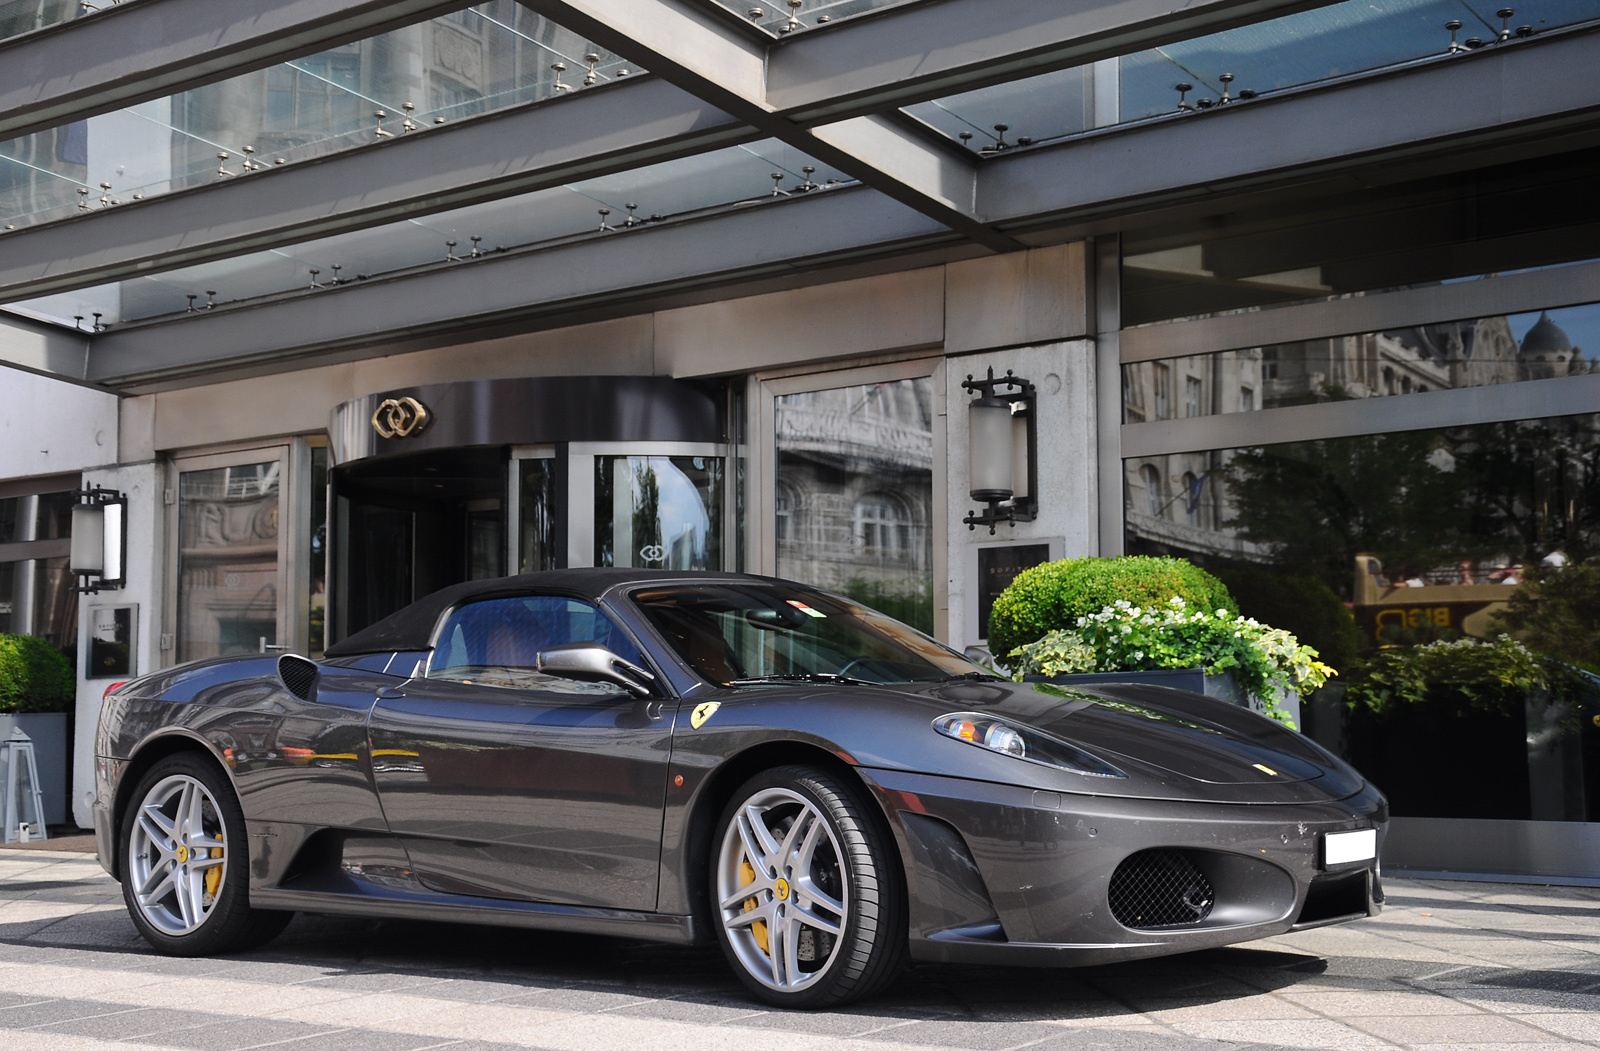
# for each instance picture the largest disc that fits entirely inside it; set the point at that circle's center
(1160, 888)
(298, 674)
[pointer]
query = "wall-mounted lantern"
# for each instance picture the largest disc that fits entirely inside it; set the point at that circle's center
(1002, 456)
(99, 540)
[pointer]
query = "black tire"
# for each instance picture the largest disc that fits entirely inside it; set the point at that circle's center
(226, 922)
(869, 952)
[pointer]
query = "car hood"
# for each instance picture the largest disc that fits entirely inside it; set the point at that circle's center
(1170, 743)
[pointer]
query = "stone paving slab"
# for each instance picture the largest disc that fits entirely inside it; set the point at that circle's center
(1448, 965)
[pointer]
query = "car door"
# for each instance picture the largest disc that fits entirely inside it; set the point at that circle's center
(504, 782)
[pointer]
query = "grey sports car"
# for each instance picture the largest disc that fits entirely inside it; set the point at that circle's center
(687, 756)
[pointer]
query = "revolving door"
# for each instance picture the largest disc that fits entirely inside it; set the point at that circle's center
(412, 516)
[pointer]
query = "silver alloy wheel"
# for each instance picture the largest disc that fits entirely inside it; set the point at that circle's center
(795, 896)
(177, 840)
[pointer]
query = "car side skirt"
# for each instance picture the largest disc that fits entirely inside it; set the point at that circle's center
(453, 908)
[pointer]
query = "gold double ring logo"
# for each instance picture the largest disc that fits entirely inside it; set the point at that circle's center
(399, 417)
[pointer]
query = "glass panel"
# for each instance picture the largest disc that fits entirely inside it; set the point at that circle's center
(317, 601)
(9, 579)
(855, 494)
(497, 643)
(780, 18)
(11, 519)
(1304, 48)
(539, 548)
(1497, 220)
(227, 560)
(672, 188)
(55, 606)
(53, 520)
(24, 16)
(1475, 353)
(485, 58)
(658, 512)
(1398, 540)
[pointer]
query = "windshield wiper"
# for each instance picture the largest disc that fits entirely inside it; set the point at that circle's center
(976, 676)
(810, 676)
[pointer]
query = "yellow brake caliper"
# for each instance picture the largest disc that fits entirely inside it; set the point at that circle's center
(214, 875)
(747, 876)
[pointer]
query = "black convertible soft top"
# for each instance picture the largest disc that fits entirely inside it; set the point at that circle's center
(412, 627)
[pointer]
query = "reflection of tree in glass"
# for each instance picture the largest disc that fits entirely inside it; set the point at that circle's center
(1315, 505)
(1422, 500)
(646, 508)
(1559, 614)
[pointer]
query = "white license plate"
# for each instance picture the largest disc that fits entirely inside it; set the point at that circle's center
(1341, 848)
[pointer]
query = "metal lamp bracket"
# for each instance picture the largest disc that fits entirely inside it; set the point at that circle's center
(1024, 400)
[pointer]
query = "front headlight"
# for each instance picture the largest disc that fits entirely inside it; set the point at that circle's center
(1022, 742)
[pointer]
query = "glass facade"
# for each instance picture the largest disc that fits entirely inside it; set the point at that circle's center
(1304, 48)
(1370, 548)
(654, 192)
(1477, 352)
(854, 494)
(474, 61)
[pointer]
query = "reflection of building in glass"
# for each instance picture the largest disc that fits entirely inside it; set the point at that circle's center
(1432, 520)
(855, 492)
(227, 560)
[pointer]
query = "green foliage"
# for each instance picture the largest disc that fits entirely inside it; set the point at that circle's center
(1125, 637)
(1301, 605)
(1558, 612)
(1494, 677)
(913, 607)
(1053, 596)
(34, 676)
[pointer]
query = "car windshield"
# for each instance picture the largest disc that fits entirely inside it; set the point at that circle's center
(761, 634)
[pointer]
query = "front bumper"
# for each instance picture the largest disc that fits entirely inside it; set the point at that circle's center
(1009, 875)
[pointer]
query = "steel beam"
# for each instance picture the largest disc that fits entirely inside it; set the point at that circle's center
(47, 349)
(138, 51)
(823, 228)
(594, 132)
(701, 53)
(939, 47)
(1520, 89)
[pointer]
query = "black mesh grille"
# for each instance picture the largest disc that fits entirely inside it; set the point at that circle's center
(298, 674)
(1159, 888)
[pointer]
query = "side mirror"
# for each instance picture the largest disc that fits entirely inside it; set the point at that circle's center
(592, 662)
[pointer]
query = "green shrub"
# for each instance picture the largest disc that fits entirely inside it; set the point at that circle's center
(1301, 605)
(1053, 596)
(34, 676)
(1494, 677)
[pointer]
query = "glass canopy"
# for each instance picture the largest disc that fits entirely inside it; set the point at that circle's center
(472, 61)
(1351, 37)
(739, 174)
(24, 16)
(781, 17)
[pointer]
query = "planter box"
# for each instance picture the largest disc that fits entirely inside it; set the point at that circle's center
(49, 733)
(1223, 687)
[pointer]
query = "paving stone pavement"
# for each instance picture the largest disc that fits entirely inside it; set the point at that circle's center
(1457, 965)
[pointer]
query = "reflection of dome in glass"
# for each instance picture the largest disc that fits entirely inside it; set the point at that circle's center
(1546, 341)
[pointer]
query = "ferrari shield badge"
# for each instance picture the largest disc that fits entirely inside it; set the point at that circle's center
(702, 712)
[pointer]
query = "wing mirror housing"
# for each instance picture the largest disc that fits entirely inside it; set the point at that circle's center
(592, 662)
